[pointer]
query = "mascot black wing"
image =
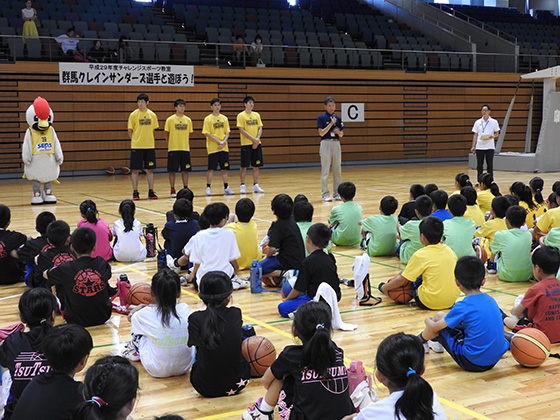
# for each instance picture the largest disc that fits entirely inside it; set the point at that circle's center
(41, 152)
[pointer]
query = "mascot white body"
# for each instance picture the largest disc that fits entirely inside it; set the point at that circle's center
(41, 152)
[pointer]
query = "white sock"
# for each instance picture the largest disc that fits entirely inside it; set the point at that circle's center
(265, 408)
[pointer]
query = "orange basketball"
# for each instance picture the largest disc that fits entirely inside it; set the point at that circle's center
(402, 294)
(481, 253)
(530, 347)
(259, 352)
(140, 293)
(272, 281)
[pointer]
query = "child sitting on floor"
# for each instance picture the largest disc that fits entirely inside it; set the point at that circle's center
(345, 217)
(55, 394)
(11, 269)
(539, 307)
(458, 232)
(246, 233)
(285, 249)
(85, 282)
(317, 268)
(29, 250)
(307, 381)
(472, 331)
(380, 231)
(430, 270)
(439, 198)
(511, 249)
(410, 233)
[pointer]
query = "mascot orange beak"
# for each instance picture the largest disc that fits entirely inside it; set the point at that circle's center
(43, 111)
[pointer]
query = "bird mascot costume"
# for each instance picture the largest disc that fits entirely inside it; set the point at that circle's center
(41, 152)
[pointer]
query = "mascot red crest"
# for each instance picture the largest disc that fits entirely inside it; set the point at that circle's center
(41, 152)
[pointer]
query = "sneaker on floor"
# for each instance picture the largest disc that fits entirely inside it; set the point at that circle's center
(208, 191)
(491, 267)
(37, 198)
(135, 195)
(130, 353)
(242, 189)
(435, 346)
(228, 191)
(239, 283)
(337, 198)
(257, 189)
(426, 347)
(254, 413)
(173, 193)
(327, 198)
(152, 195)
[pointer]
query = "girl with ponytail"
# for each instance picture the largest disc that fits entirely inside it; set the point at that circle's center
(160, 330)
(216, 332)
(127, 232)
(110, 388)
(488, 190)
(103, 249)
(461, 180)
(536, 185)
(37, 311)
(400, 365)
(523, 193)
(307, 381)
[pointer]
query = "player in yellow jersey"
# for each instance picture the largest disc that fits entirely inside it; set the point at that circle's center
(250, 129)
(177, 130)
(216, 129)
(141, 125)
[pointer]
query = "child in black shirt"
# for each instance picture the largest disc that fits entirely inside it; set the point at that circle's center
(216, 332)
(55, 394)
(285, 248)
(317, 268)
(22, 352)
(58, 234)
(29, 250)
(307, 381)
(85, 282)
(11, 269)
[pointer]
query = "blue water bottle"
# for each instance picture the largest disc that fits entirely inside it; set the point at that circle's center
(255, 277)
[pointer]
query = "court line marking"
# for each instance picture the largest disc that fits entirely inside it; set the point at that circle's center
(11, 297)
(346, 359)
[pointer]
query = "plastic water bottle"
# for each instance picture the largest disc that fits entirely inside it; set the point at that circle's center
(150, 245)
(255, 277)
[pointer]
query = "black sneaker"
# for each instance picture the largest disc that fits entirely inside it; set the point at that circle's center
(135, 195)
(152, 195)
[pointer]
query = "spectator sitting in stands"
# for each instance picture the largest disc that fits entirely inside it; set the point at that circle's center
(257, 49)
(69, 44)
(122, 52)
(97, 53)
(239, 51)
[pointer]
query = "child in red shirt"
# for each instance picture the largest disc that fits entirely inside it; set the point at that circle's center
(540, 307)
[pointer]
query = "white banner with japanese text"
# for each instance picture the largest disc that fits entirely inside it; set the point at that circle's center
(125, 74)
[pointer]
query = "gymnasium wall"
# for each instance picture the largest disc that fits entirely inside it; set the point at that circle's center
(409, 116)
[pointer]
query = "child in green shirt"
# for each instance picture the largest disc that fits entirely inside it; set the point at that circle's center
(303, 216)
(459, 231)
(345, 217)
(380, 230)
(410, 233)
(513, 246)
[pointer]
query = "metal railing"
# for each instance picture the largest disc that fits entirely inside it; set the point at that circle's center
(222, 54)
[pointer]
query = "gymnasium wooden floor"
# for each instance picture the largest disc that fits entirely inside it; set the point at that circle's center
(506, 392)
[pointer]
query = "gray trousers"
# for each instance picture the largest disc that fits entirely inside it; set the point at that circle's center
(36, 185)
(330, 156)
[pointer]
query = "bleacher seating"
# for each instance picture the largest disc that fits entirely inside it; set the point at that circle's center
(317, 33)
